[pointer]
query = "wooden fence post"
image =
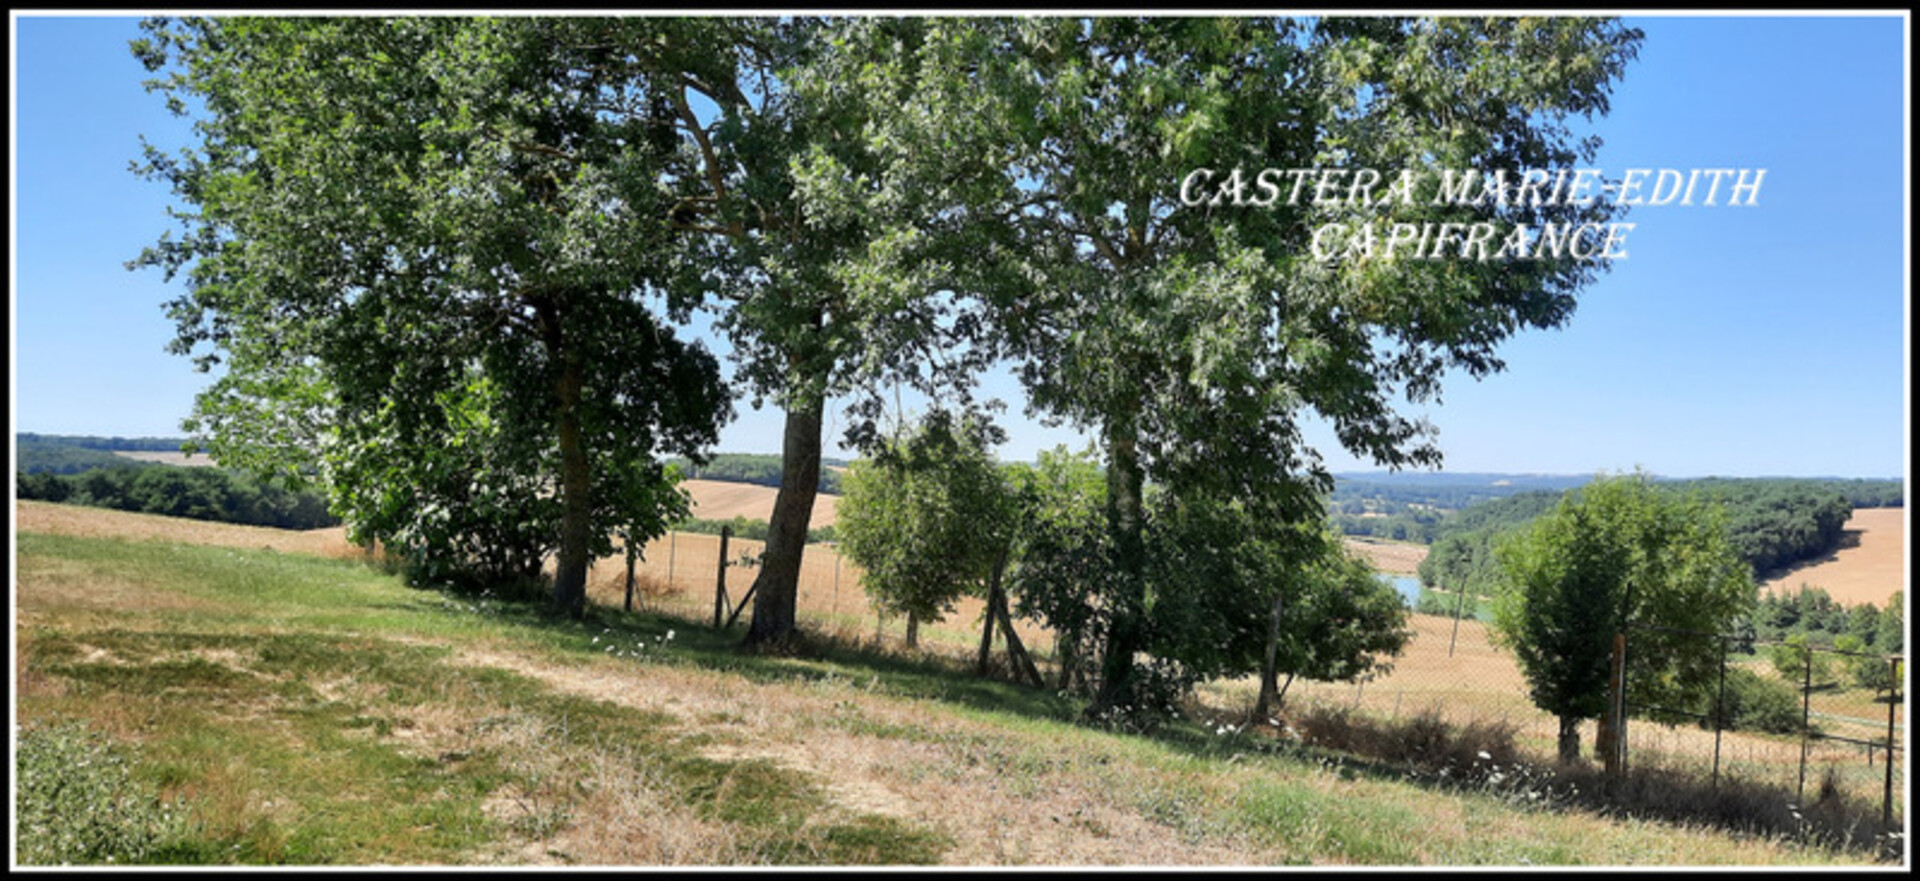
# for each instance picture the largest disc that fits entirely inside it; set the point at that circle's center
(720, 588)
(1459, 601)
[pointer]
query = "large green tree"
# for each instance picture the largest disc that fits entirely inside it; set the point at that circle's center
(1619, 551)
(1043, 158)
(435, 253)
(779, 137)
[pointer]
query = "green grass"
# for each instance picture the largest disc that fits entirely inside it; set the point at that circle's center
(304, 711)
(231, 702)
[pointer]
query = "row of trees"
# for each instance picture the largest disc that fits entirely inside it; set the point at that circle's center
(932, 517)
(443, 260)
(196, 493)
(1414, 524)
(1813, 613)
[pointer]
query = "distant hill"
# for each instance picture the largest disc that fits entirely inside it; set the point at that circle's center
(37, 454)
(1493, 481)
(111, 444)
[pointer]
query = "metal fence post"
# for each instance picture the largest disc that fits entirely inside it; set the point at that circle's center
(1806, 716)
(1893, 694)
(1719, 712)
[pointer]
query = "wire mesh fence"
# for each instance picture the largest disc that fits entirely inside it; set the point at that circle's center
(681, 572)
(1831, 735)
(1818, 721)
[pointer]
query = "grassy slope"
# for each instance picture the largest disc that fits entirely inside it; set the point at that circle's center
(316, 711)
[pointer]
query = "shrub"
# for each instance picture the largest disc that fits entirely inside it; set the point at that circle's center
(78, 802)
(1755, 703)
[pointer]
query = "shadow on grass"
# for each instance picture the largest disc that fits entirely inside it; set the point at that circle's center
(1422, 750)
(809, 658)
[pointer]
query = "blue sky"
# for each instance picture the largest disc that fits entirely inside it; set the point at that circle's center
(1750, 341)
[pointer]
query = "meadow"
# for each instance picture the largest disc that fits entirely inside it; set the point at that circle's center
(287, 703)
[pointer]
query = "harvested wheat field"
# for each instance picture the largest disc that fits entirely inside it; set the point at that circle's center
(88, 522)
(1869, 566)
(1392, 557)
(167, 457)
(724, 500)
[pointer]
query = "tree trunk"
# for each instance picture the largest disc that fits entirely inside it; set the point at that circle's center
(576, 481)
(1269, 701)
(1023, 666)
(1126, 524)
(631, 553)
(1603, 742)
(1569, 739)
(913, 630)
(986, 629)
(1064, 647)
(777, 587)
(996, 591)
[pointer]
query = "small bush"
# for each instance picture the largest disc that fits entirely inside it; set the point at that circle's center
(1755, 703)
(78, 803)
(1424, 740)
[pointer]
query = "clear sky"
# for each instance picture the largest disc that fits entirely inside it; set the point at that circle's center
(1750, 341)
